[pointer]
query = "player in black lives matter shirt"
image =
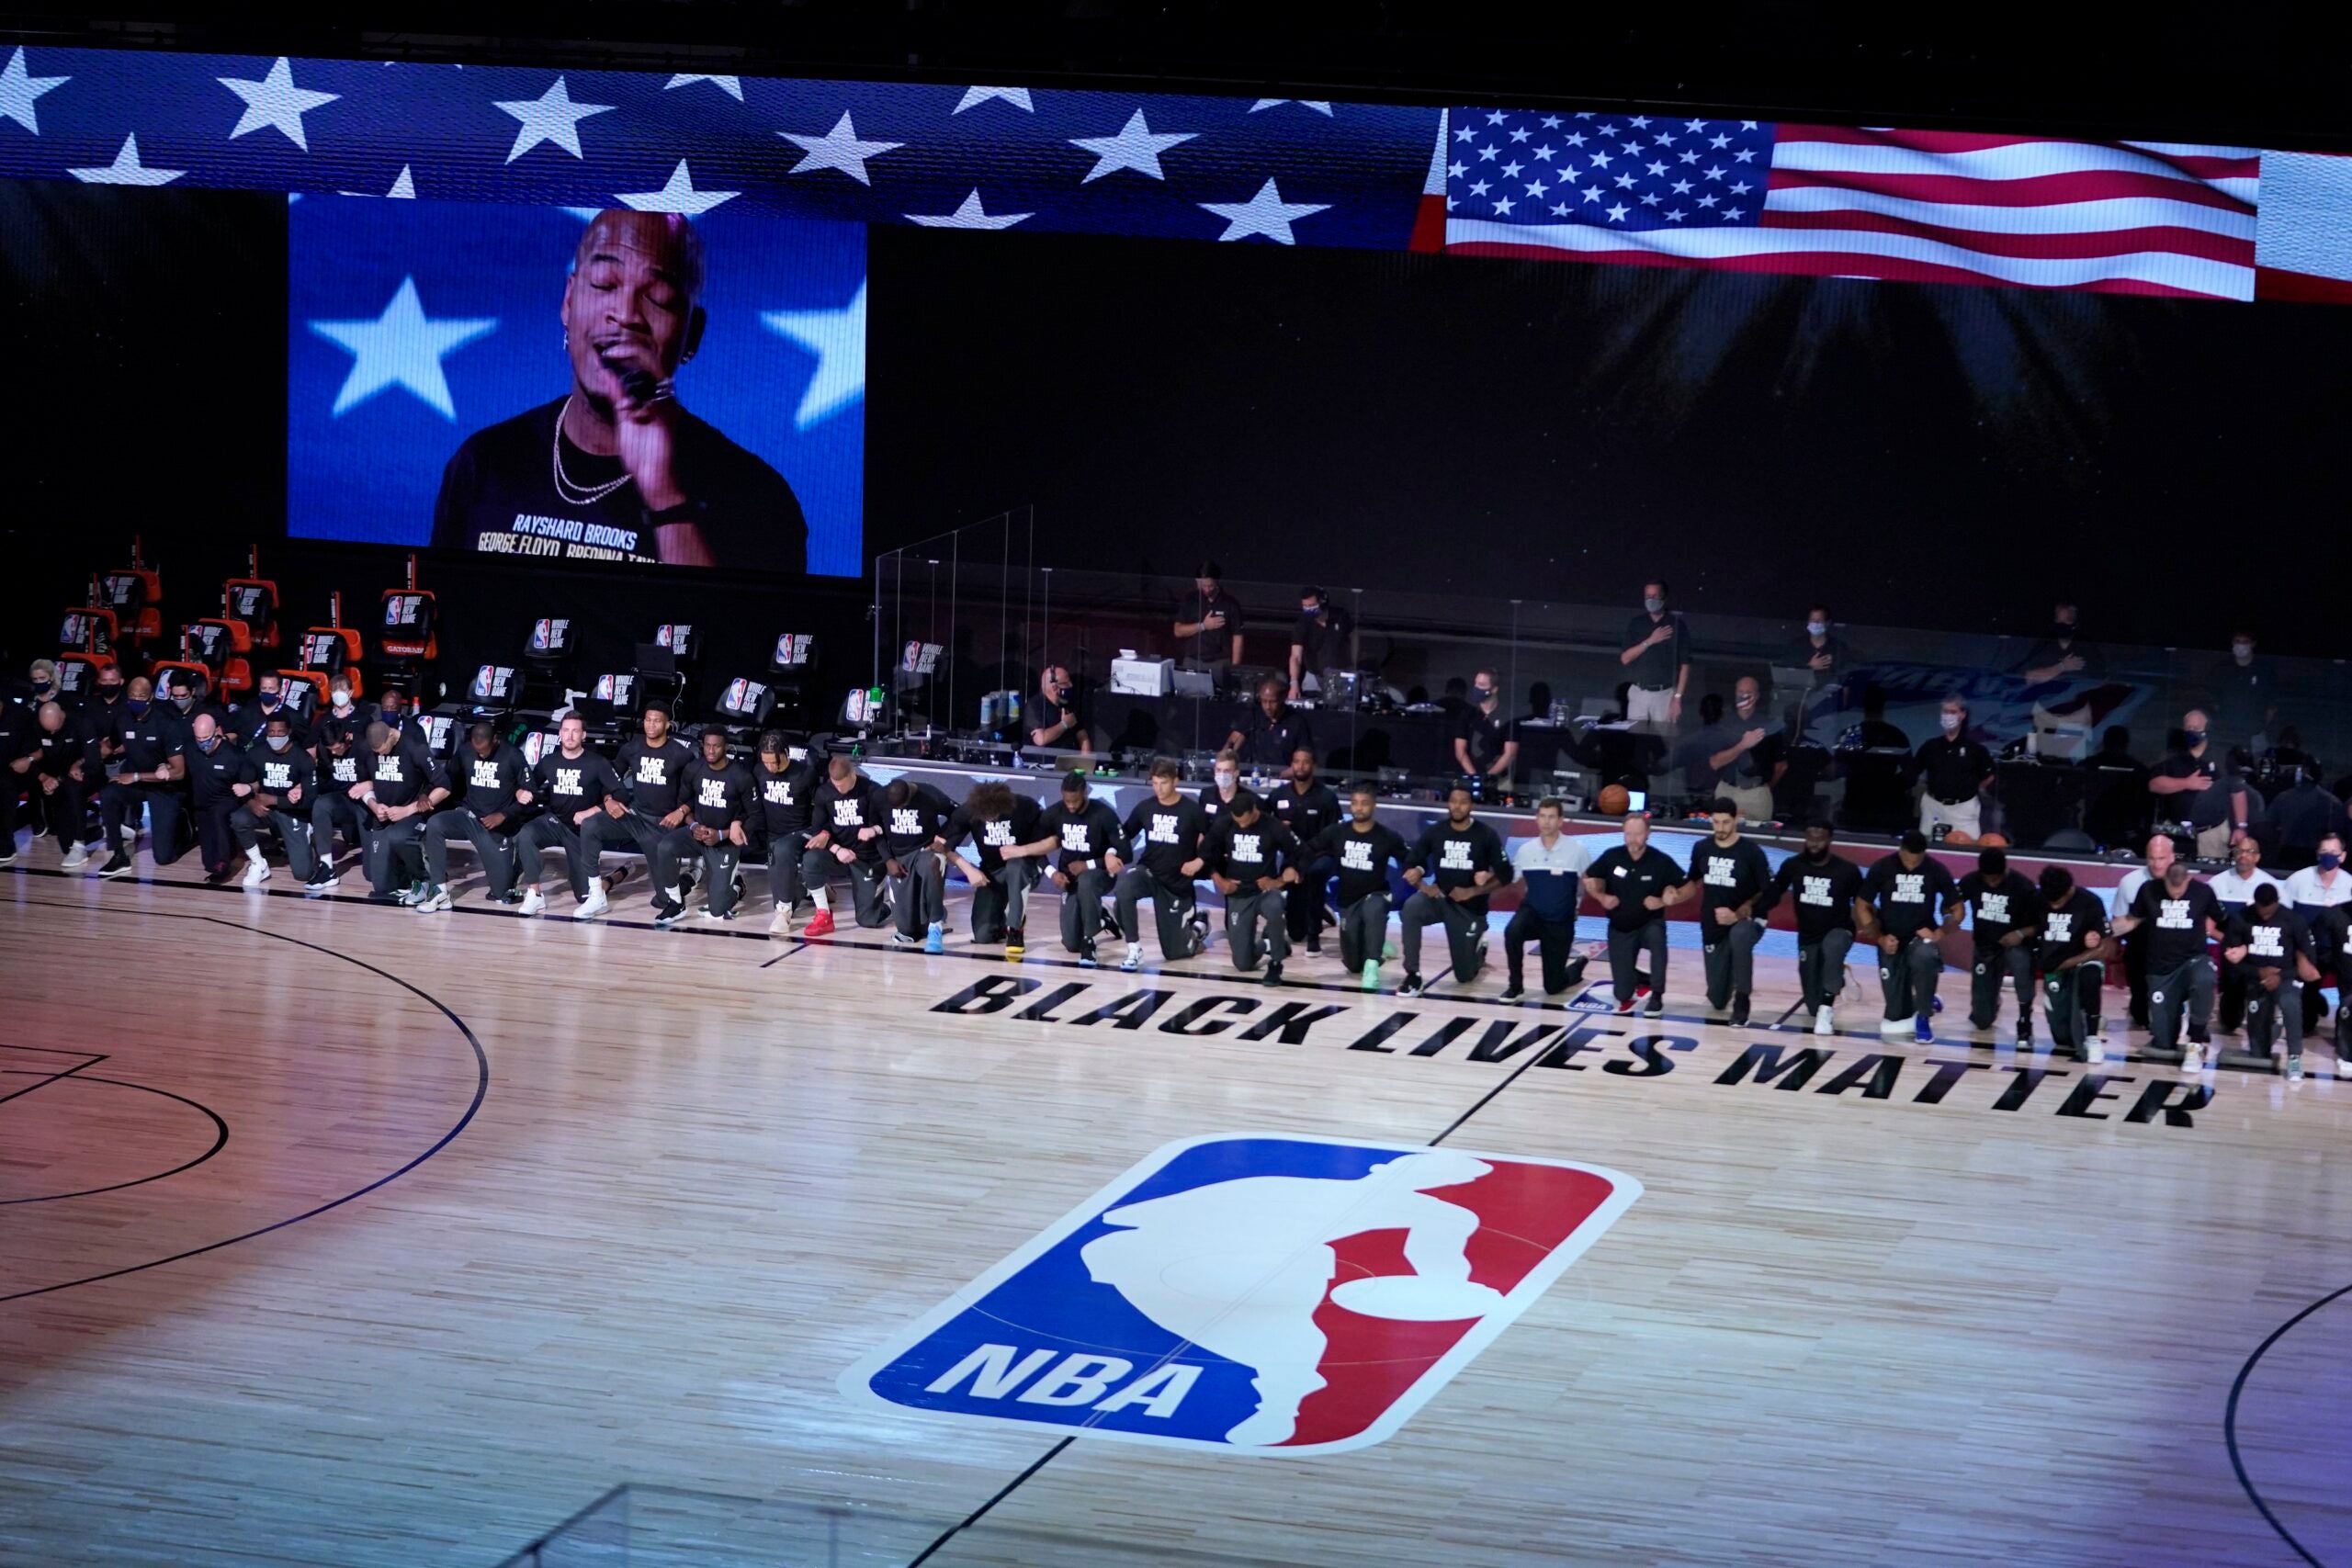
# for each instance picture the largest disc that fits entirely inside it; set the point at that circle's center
(607, 475)
(1252, 858)
(343, 762)
(401, 787)
(914, 863)
(1360, 850)
(2270, 944)
(1908, 893)
(1732, 877)
(718, 794)
(221, 776)
(780, 831)
(1824, 887)
(1636, 884)
(569, 789)
(2069, 952)
(1085, 831)
(1455, 867)
(2002, 920)
(647, 807)
(1305, 805)
(493, 784)
(1007, 833)
(280, 803)
(2179, 916)
(1170, 825)
(850, 813)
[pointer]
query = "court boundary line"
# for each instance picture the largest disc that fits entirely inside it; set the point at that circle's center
(2229, 1424)
(481, 1092)
(91, 1059)
(219, 1141)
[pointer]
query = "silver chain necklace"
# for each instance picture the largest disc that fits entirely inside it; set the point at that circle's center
(571, 493)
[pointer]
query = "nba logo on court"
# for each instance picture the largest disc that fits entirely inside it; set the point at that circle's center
(1254, 1294)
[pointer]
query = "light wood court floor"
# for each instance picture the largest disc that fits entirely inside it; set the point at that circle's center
(334, 1234)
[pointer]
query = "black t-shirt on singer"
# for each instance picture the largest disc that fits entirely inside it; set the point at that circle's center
(498, 497)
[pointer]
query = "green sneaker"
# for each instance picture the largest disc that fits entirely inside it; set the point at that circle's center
(1372, 973)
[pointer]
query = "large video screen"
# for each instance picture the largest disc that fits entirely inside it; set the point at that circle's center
(552, 385)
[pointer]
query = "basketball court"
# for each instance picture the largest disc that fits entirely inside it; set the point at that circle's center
(335, 1233)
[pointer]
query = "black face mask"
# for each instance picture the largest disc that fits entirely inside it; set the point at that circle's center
(2061, 631)
(139, 707)
(270, 699)
(110, 693)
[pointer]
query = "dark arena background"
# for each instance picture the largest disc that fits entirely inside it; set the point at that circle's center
(1710, 636)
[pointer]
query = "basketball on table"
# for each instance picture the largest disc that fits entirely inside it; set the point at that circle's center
(1614, 801)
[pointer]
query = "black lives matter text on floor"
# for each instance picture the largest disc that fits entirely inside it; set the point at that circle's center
(1573, 1045)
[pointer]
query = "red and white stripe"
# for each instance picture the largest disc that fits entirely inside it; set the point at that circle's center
(1956, 207)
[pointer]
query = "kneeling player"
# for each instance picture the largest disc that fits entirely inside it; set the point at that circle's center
(1085, 831)
(1253, 859)
(2071, 956)
(1171, 825)
(2270, 945)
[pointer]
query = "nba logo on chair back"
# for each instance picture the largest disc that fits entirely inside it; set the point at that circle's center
(1254, 1294)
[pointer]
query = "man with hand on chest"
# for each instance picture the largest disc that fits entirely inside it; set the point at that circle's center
(1732, 877)
(717, 793)
(1455, 867)
(2002, 922)
(648, 806)
(1906, 892)
(570, 787)
(1252, 858)
(1086, 829)
(280, 803)
(1361, 849)
(1636, 884)
(1008, 835)
(488, 814)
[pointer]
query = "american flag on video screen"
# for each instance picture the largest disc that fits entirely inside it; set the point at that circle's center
(1918, 206)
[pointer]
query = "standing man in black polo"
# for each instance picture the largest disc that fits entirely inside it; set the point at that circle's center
(781, 829)
(1655, 660)
(1361, 849)
(496, 782)
(402, 786)
(1269, 731)
(1732, 877)
(146, 760)
(2003, 918)
(1305, 805)
(2180, 916)
(1485, 741)
(1826, 888)
(1208, 623)
(1819, 649)
(1636, 884)
(1085, 831)
(1252, 858)
(648, 806)
(851, 814)
(1908, 893)
(1171, 825)
(1955, 770)
(1455, 868)
(2197, 785)
(1323, 639)
(280, 802)
(1051, 720)
(570, 787)
(718, 794)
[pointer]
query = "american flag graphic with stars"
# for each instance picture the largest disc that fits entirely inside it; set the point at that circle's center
(1920, 206)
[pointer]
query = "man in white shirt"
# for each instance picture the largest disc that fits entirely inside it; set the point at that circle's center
(2235, 888)
(2313, 891)
(1550, 868)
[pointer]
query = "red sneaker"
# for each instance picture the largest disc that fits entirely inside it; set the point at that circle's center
(821, 924)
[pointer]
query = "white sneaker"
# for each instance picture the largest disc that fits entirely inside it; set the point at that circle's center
(2192, 1058)
(533, 902)
(1133, 961)
(780, 923)
(75, 858)
(256, 869)
(1824, 1020)
(433, 903)
(594, 905)
(2094, 1050)
(2343, 1067)
(1896, 1029)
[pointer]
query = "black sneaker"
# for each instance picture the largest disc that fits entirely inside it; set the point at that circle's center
(666, 909)
(9, 854)
(1739, 1010)
(2025, 1031)
(1411, 987)
(1314, 943)
(219, 875)
(1513, 991)
(1272, 977)
(1086, 958)
(118, 865)
(1657, 1007)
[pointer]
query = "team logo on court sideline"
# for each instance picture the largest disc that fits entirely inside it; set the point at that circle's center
(1254, 1294)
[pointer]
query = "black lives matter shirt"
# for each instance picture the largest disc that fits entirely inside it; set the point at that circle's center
(1908, 898)
(1997, 908)
(1085, 834)
(564, 786)
(2172, 928)
(491, 782)
(1454, 856)
(717, 797)
(650, 774)
(282, 773)
(1824, 891)
(913, 826)
(1024, 825)
(498, 497)
(1171, 835)
(2074, 925)
(842, 812)
(1363, 858)
(1246, 854)
(784, 798)
(1728, 877)
(2271, 942)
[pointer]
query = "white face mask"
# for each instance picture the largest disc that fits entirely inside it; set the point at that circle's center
(342, 697)
(1816, 629)
(1653, 604)
(1952, 722)
(1226, 779)
(2242, 651)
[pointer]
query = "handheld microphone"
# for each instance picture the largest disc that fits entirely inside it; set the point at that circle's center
(637, 383)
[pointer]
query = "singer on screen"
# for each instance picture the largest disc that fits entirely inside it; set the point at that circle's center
(616, 468)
